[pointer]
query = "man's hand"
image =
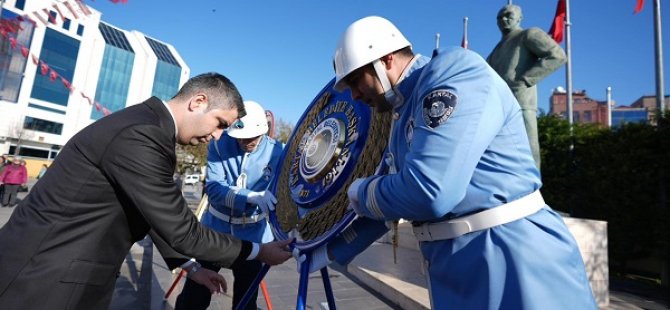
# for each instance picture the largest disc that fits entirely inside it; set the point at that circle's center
(265, 200)
(215, 282)
(274, 253)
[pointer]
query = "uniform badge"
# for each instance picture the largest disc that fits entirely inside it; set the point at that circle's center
(438, 107)
(409, 131)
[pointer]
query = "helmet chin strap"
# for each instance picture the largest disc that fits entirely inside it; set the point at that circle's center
(392, 96)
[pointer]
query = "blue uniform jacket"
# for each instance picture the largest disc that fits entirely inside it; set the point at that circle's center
(226, 191)
(459, 146)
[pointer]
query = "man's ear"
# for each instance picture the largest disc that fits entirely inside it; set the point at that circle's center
(198, 101)
(388, 61)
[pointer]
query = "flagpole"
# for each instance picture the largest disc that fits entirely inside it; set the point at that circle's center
(568, 66)
(658, 44)
(464, 42)
(609, 106)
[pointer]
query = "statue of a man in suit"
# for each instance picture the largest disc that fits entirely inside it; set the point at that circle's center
(523, 58)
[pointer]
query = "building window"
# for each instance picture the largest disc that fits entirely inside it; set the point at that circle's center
(42, 125)
(162, 52)
(52, 17)
(575, 116)
(66, 24)
(37, 106)
(587, 117)
(166, 80)
(80, 30)
(12, 62)
(30, 152)
(60, 52)
(114, 37)
(113, 80)
(20, 4)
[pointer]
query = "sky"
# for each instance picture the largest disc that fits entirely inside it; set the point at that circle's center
(279, 53)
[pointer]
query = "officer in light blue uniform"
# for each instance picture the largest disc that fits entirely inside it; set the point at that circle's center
(458, 166)
(240, 166)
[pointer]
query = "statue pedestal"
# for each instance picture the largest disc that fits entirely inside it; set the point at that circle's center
(591, 238)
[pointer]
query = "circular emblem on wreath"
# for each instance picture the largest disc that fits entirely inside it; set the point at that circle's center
(336, 140)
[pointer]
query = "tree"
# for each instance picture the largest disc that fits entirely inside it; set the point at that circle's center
(19, 131)
(284, 130)
(191, 157)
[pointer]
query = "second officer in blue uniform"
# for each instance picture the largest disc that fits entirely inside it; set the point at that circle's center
(240, 166)
(458, 166)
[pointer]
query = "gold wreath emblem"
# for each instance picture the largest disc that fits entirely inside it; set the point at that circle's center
(318, 221)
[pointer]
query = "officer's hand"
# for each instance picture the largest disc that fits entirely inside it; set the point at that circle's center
(215, 282)
(265, 200)
(320, 259)
(274, 253)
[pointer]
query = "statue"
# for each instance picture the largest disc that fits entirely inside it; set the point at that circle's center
(523, 58)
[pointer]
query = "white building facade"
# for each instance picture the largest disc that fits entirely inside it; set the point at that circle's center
(68, 68)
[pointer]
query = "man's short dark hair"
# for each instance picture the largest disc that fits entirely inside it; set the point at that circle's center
(221, 92)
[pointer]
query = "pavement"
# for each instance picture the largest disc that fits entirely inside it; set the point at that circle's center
(371, 281)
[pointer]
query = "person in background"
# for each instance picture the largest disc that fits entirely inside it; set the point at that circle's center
(110, 185)
(240, 166)
(43, 170)
(12, 178)
(459, 167)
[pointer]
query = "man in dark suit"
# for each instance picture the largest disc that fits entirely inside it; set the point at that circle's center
(110, 185)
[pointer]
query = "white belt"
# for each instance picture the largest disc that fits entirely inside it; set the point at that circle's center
(503, 214)
(237, 220)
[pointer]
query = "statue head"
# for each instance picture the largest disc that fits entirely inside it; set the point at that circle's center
(509, 18)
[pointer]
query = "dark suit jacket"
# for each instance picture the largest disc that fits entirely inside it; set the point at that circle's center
(111, 183)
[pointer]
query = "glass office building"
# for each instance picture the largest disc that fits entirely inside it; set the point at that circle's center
(59, 74)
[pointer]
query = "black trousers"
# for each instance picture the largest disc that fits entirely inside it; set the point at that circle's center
(9, 194)
(196, 296)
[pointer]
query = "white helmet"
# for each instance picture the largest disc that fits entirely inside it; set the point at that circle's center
(254, 124)
(365, 41)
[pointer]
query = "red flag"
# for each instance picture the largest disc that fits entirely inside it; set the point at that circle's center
(52, 19)
(71, 9)
(90, 102)
(53, 75)
(106, 112)
(98, 106)
(44, 68)
(638, 6)
(12, 42)
(24, 51)
(67, 84)
(558, 25)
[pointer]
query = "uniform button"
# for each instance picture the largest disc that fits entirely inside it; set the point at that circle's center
(396, 115)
